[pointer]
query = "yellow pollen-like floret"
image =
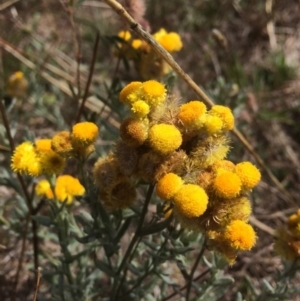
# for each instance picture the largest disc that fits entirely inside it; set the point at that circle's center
(164, 138)
(153, 92)
(125, 35)
(140, 108)
(222, 165)
(213, 124)
(43, 145)
(136, 43)
(240, 235)
(192, 114)
(84, 133)
(191, 200)
(227, 184)
(170, 41)
(159, 34)
(248, 173)
(25, 160)
(43, 188)
(67, 187)
(168, 186)
(226, 116)
(51, 162)
(131, 88)
(61, 144)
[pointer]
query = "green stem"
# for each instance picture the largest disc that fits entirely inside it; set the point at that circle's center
(189, 284)
(138, 229)
(148, 271)
(134, 240)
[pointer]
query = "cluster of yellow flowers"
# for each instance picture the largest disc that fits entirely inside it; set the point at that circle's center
(288, 238)
(182, 149)
(48, 157)
(147, 62)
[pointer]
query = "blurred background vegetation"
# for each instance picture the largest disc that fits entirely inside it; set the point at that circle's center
(245, 53)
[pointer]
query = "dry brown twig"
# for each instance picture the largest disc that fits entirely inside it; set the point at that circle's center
(137, 28)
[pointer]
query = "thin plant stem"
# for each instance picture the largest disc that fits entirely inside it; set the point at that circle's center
(184, 287)
(137, 28)
(22, 251)
(147, 272)
(37, 284)
(25, 191)
(190, 282)
(138, 229)
(89, 81)
(133, 242)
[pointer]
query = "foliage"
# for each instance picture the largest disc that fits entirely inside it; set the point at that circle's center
(116, 182)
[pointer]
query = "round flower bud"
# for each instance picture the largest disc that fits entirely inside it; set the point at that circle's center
(127, 91)
(124, 34)
(168, 185)
(248, 173)
(133, 132)
(170, 41)
(191, 200)
(240, 235)
(226, 116)
(227, 184)
(213, 124)
(192, 114)
(164, 138)
(153, 92)
(84, 134)
(140, 109)
(61, 144)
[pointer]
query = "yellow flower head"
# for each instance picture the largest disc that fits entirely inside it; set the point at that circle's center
(140, 109)
(25, 160)
(133, 132)
(192, 114)
(240, 235)
(51, 162)
(67, 187)
(293, 221)
(222, 165)
(43, 145)
(136, 43)
(43, 189)
(170, 41)
(84, 133)
(248, 173)
(227, 184)
(225, 114)
(125, 35)
(61, 144)
(168, 186)
(164, 138)
(128, 94)
(213, 124)
(159, 34)
(17, 85)
(191, 200)
(153, 92)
